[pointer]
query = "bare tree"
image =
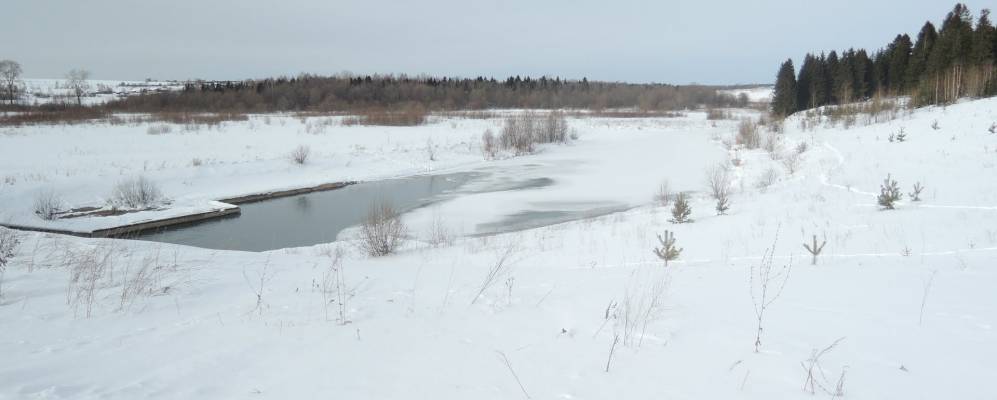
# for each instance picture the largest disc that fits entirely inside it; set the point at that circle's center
(718, 180)
(766, 284)
(10, 78)
(78, 81)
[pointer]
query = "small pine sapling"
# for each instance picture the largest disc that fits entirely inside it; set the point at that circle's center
(916, 194)
(889, 193)
(815, 249)
(681, 210)
(668, 251)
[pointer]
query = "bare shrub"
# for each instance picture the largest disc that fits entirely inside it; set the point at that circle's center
(196, 162)
(768, 178)
(791, 160)
(499, 270)
(300, 154)
(439, 234)
(47, 204)
(641, 305)
(771, 144)
(263, 276)
(149, 279)
(430, 149)
(718, 182)
(815, 373)
(915, 195)
(518, 134)
(136, 193)
(159, 130)
(766, 284)
(87, 269)
(413, 114)
(8, 247)
(382, 230)
(934, 125)
(681, 210)
(523, 132)
(334, 288)
(889, 194)
(747, 134)
(668, 251)
(801, 147)
(714, 114)
(664, 194)
(489, 147)
(554, 128)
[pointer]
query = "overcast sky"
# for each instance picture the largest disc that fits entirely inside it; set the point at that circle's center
(673, 41)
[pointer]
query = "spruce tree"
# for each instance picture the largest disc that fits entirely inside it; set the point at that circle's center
(831, 67)
(918, 65)
(784, 98)
(898, 64)
(983, 41)
(804, 84)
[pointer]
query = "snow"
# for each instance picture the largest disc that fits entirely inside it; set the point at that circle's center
(44, 91)
(761, 94)
(909, 290)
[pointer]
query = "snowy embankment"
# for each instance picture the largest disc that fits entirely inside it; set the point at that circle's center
(907, 294)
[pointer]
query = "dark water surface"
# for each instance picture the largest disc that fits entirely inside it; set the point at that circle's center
(309, 219)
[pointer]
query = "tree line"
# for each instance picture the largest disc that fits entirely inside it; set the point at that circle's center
(389, 92)
(938, 67)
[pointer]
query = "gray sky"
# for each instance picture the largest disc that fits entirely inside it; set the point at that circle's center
(673, 41)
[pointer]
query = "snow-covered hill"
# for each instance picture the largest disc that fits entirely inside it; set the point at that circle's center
(902, 300)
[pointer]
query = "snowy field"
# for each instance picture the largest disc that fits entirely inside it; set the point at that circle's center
(902, 300)
(761, 94)
(44, 91)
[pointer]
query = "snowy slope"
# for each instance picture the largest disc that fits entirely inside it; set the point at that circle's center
(44, 91)
(909, 292)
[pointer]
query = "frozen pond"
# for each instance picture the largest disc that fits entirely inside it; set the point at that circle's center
(309, 219)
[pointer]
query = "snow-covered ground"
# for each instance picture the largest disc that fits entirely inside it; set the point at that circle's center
(761, 94)
(908, 292)
(43, 91)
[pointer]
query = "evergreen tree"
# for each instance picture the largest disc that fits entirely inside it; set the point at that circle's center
(983, 41)
(831, 72)
(918, 65)
(784, 98)
(863, 74)
(898, 64)
(844, 78)
(804, 84)
(820, 88)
